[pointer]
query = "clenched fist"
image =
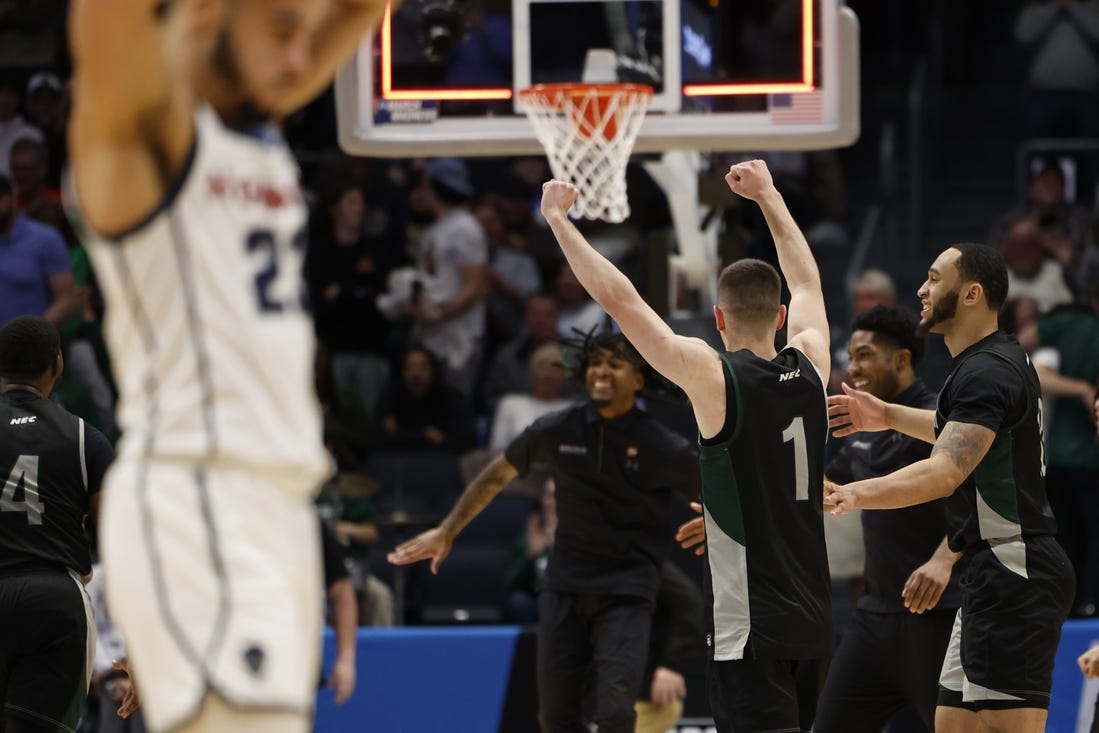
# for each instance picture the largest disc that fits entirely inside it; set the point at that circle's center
(557, 197)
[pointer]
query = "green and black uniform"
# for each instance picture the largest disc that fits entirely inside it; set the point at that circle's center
(768, 584)
(1017, 583)
(51, 462)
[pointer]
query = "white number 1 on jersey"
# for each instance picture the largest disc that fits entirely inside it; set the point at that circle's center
(795, 431)
(25, 471)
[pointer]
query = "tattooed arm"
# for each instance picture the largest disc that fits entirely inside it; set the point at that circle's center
(957, 451)
(435, 543)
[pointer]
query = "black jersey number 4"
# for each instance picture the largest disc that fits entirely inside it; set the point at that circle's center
(23, 480)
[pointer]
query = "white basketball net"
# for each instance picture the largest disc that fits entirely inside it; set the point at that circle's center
(588, 131)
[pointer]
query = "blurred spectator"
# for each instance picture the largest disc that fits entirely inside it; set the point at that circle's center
(29, 35)
(1031, 273)
(347, 270)
(47, 109)
(513, 276)
(527, 568)
(35, 274)
(454, 253)
(12, 126)
(873, 287)
(1062, 37)
(86, 357)
(1063, 228)
(347, 507)
(30, 166)
(577, 313)
(518, 410)
(509, 369)
(1072, 474)
(420, 410)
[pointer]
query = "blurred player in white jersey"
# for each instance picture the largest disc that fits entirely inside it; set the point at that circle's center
(191, 209)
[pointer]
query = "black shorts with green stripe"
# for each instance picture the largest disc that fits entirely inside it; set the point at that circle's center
(1016, 596)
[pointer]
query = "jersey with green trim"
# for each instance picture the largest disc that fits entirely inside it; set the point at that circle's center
(762, 479)
(1003, 500)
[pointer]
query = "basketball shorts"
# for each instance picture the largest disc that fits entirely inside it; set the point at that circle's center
(213, 575)
(1005, 635)
(47, 645)
(765, 695)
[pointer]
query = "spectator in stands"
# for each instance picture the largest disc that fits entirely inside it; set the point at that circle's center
(1062, 37)
(615, 468)
(30, 167)
(518, 410)
(454, 253)
(35, 275)
(47, 109)
(527, 569)
(347, 271)
(1062, 227)
(86, 357)
(1031, 272)
(421, 411)
(346, 505)
(1072, 474)
(13, 127)
(513, 276)
(577, 313)
(509, 369)
(873, 287)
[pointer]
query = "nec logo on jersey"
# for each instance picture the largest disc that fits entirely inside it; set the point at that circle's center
(789, 375)
(23, 420)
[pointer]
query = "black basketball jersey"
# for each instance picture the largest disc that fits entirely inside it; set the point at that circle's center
(1004, 500)
(51, 462)
(762, 480)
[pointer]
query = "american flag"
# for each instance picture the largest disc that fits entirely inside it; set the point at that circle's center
(805, 108)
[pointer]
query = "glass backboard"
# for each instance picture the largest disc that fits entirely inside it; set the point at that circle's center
(440, 77)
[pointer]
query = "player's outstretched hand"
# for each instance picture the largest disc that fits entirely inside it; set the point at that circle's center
(855, 411)
(131, 698)
(838, 500)
(1089, 663)
(557, 197)
(750, 179)
(692, 533)
(434, 544)
(926, 584)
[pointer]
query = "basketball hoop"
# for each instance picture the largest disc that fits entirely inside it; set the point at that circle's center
(588, 131)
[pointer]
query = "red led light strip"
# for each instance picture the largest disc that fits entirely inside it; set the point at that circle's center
(690, 90)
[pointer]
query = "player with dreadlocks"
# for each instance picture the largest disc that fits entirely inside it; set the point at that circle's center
(615, 468)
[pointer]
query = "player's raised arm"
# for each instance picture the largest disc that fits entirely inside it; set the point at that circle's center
(808, 322)
(132, 103)
(688, 362)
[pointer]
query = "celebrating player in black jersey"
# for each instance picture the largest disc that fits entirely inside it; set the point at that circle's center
(989, 461)
(51, 466)
(762, 418)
